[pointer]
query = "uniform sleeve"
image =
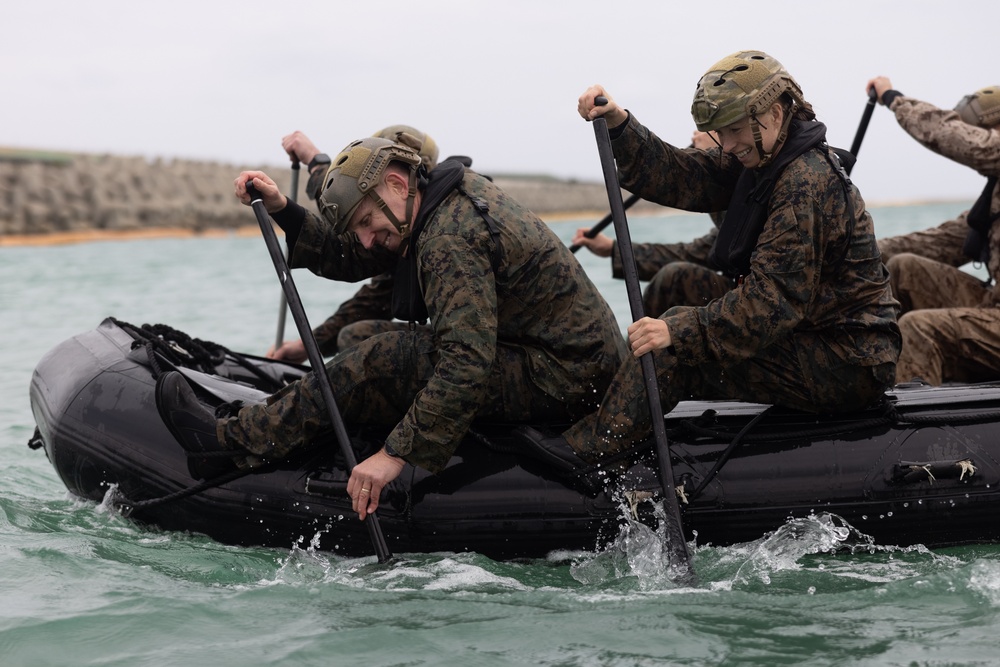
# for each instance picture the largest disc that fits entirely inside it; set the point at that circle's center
(942, 243)
(456, 275)
(336, 256)
(651, 257)
(944, 132)
(773, 298)
(688, 178)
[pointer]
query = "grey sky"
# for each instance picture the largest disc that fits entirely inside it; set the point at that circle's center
(496, 80)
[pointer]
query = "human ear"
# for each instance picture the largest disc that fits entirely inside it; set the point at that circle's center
(396, 183)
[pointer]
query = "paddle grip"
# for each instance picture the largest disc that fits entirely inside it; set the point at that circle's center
(251, 190)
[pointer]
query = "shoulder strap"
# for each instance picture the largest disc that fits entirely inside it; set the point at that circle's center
(483, 208)
(407, 296)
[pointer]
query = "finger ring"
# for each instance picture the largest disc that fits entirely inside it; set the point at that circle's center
(363, 491)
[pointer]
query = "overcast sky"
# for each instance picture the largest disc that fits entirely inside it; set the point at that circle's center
(496, 80)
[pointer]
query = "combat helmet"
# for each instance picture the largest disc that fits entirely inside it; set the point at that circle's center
(354, 175)
(743, 85)
(414, 138)
(981, 108)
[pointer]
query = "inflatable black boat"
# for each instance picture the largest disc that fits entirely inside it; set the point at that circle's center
(923, 468)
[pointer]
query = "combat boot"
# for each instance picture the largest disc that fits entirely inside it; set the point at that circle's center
(193, 425)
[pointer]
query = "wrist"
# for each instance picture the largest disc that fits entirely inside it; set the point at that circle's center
(317, 161)
(283, 202)
(888, 96)
(617, 117)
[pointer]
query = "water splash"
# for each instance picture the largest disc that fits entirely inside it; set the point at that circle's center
(637, 551)
(783, 549)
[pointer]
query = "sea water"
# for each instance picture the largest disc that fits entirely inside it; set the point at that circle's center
(81, 585)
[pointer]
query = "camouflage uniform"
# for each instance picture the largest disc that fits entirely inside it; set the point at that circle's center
(812, 327)
(951, 320)
(679, 274)
(533, 340)
(371, 303)
(355, 332)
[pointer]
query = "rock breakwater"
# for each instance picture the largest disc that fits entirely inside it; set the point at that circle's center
(44, 194)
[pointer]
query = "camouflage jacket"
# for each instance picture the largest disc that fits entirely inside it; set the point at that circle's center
(944, 132)
(651, 257)
(539, 300)
(810, 275)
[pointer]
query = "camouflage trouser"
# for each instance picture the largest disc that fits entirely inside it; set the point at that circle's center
(683, 284)
(918, 282)
(796, 373)
(950, 323)
(355, 332)
(374, 384)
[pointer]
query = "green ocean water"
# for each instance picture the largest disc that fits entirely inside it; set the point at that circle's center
(80, 585)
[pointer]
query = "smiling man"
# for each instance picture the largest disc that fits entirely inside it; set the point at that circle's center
(516, 330)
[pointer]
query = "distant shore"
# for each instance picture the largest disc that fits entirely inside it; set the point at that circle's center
(50, 198)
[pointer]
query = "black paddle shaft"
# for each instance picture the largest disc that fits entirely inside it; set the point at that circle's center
(605, 221)
(863, 125)
(315, 357)
(283, 308)
(679, 556)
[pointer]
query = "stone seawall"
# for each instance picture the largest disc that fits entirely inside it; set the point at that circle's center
(58, 193)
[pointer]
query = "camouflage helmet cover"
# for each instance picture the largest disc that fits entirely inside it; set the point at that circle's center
(981, 108)
(354, 174)
(745, 83)
(414, 138)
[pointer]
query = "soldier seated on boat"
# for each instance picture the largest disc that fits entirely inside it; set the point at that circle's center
(679, 274)
(369, 311)
(950, 321)
(811, 322)
(516, 330)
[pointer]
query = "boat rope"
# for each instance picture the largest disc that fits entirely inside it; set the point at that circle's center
(730, 448)
(178, 349)
(127, 507)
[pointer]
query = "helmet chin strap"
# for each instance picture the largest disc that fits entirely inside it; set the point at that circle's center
(758, 140)
(404, 228)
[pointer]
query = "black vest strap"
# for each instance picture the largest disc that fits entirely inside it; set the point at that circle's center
(748, 207)
(977, 243)
(407, 296)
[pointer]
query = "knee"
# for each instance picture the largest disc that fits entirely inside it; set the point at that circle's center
(916, 323)
(899, 264)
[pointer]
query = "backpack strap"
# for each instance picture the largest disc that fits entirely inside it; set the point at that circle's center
(483, 208)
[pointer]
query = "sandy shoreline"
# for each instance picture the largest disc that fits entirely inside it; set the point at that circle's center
(98, 235)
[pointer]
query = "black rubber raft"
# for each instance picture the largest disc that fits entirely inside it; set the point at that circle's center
(921, 468)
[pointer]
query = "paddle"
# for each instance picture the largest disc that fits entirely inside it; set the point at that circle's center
(315, 357)
(677, 546)
(863, 126)
(605, 221)
(283, 308)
